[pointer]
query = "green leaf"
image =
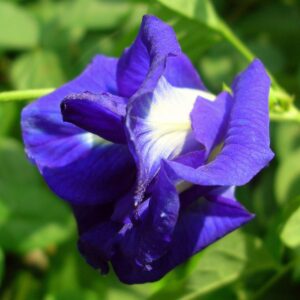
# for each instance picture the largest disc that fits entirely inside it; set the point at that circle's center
(290, 233)
(92, 14)
(38, 69)
(33, 216)
(232, 257)
(8, 113)
(19, 30)
(286, 139)
(288, 177)
(202, 11)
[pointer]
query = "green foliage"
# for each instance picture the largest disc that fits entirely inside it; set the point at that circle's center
(1, 265)
(44, 43)
(19, 30)
(288, 177)
(290, 232)
(202, 11)
(234, 257)
(24, 223)
(37, 69)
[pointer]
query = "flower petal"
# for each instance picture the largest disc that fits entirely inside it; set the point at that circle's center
(42, 125)
(246, 147)
(70, 158)
(101, 114)
(157, 229)
(93, 177)
(210, 120)
(97, 245)
(159, 127)
(198, 226)
(155, 42)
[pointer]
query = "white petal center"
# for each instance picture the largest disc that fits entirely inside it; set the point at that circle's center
(169, 116)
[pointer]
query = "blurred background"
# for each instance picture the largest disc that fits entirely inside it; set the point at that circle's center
(45, 43)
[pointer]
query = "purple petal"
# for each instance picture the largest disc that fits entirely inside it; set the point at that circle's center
(246, 147)
(157, 230)
(210, 120)
(70, 158)
(89, 216)
(193, 159)
(101, 114)
(42, 125)
(97, 245)
(199, 225)
(155, 42)
(159, 127)
(93, 177)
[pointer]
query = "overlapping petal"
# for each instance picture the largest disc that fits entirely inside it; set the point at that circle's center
(70, 158)
(210, 120)
(159, 127)
(246, 147)
(102, 114)
(198, 225)
(155, 51)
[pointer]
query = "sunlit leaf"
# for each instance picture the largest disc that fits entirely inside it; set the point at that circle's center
(202, 11)
(19, 30)
(286, 139)
(234, 256)
(38, 69)
(93, 14)
(290, 232)
(288, 178)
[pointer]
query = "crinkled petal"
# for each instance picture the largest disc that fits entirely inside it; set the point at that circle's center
(246, 147)
(101, 114)
(159, 127)
(42, 125)
(70, 158)
(155, 42)
(198, 226)
(157, 229)
(210, 120)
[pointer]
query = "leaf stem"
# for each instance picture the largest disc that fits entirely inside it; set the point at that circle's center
(24, 94)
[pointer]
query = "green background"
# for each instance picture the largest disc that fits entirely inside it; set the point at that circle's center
(45, 43)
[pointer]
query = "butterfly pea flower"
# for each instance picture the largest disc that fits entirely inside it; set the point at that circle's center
(147, 157)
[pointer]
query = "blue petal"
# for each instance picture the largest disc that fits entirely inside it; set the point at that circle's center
(70, 158)
(157, 229)
(199, 225)
(148, 55)
(93, 177)
(210, 120)
(159, 127)
(97, 245)
(246, 147)
(101, 114)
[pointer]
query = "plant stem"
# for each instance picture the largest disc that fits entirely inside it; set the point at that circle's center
(24, 95)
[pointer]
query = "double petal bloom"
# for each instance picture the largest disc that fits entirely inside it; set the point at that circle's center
(147, 157)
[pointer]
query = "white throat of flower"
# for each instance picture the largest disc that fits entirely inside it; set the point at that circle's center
(169, 116)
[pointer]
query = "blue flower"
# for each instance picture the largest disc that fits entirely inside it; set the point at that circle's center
(147, 157)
